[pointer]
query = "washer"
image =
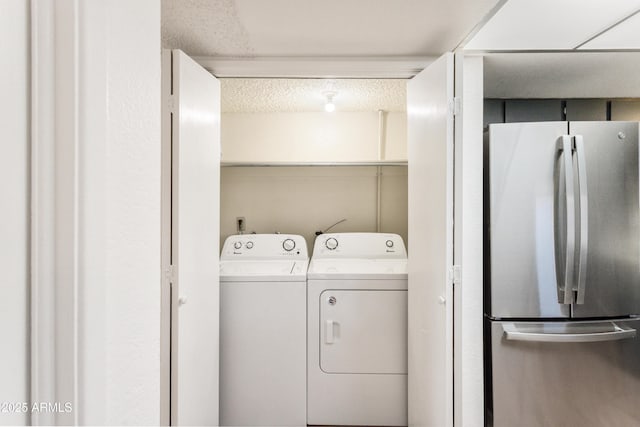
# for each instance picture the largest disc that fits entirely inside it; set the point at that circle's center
(357, 330)
(263, 330)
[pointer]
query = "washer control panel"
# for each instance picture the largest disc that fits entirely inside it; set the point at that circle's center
(264, 246)
(359, 245)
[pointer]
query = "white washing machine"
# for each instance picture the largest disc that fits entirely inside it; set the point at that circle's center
(263, 330)
(357, 330)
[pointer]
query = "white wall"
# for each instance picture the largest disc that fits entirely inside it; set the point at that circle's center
(468, 246)
(319, 137)
(14, 227)
(96, 226)
(562, 75)
(302, 200)
(132, 219)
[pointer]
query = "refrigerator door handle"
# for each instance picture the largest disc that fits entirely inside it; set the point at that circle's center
(565, 283)
(610, 332)
(583, 198)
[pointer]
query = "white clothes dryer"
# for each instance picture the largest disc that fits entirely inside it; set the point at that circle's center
(263, 330)
(357, 330)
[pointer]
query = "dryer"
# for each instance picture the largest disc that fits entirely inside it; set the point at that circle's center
(357, 330)
(263, 330)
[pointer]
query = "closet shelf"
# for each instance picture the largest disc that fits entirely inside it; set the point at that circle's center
(292, 164)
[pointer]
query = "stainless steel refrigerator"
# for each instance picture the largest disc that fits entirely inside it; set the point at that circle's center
(562, 274)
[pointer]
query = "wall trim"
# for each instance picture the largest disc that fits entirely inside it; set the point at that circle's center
(54, 207)
(382, 67)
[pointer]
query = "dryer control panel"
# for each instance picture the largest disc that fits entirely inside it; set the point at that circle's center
(264, 247)
(359, 245)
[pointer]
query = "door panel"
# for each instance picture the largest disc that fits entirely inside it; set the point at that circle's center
(612, 286)
(195, 193)
(591, 383)
(363, 332)
(522, 163)
(263, 353)
(430, 330)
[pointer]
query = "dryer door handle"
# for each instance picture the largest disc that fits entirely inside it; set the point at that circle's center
(329, 335)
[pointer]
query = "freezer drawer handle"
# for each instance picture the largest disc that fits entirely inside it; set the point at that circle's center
(512, 333)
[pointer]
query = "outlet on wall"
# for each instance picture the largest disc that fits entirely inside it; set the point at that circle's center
(240, 224)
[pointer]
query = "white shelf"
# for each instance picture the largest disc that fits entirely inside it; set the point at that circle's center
(299, 164)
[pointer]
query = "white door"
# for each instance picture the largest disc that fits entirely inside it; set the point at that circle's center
(430, 329)
(192, 203)
(363, 331)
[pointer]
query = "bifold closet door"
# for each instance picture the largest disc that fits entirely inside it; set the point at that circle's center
(430, 119)
(191, 263)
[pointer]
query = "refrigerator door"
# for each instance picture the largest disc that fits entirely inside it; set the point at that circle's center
(608, 245)
(528, 191)
(575, 373)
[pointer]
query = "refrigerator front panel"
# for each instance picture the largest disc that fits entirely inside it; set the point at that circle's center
(611, 283)
(523, 159)
(564, 374)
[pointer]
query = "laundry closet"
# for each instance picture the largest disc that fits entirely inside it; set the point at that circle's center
(289, 166)
(321, 160)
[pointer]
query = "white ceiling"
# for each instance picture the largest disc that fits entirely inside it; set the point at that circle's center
(566, 24)
(348, 38)
(305, 28)
(626, 35)
(306, 95)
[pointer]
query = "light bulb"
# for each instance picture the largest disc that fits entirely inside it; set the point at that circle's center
(329, 107)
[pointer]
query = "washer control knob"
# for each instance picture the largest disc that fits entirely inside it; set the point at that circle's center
(389, 243)
(249, 245)
(289, 245)
(332, 300)
(331, 243)
(237, 245)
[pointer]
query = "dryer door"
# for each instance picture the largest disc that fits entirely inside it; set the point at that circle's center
(363, 331)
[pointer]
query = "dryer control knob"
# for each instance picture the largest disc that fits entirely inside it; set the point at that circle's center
(289, 245)
(331, 243)
(237, 245)
(248, 245)
(389, 243)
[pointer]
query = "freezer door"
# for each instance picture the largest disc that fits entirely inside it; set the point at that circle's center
(564, 374)
(525, 176)
(608, 246)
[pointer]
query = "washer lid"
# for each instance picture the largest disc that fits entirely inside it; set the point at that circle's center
(263, 271)
(375, 269)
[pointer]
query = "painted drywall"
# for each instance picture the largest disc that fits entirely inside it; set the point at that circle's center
(132, 218)
(468, 246)
(118, 213)
(562, 75)
(14, 178)
(311, 137)
(302, 200)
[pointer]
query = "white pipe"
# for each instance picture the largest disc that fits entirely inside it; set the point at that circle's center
(381, 148)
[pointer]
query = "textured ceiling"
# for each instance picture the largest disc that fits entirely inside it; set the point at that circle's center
(306, 95)
(256, 28)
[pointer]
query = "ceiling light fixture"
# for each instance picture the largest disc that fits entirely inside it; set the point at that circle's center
(329, 106)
